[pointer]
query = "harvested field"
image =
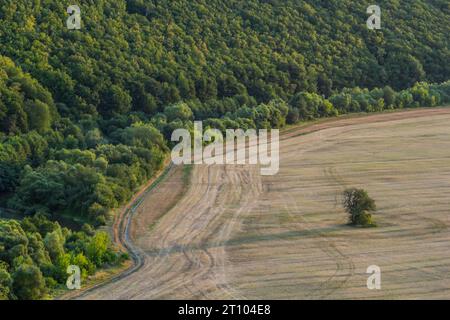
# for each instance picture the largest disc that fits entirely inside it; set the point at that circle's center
(234, 234)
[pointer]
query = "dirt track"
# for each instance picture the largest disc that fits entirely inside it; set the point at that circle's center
(231, 233)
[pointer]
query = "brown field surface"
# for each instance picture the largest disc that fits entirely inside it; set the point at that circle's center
(231, 233)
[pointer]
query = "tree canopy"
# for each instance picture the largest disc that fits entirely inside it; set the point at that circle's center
(86, 115)
(35, 254)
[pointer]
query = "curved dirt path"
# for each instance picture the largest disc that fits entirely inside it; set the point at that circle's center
(184, 253)
(232, 234)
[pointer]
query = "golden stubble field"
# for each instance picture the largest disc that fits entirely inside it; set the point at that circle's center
(231, 233)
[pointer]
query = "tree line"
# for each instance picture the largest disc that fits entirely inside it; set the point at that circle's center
(86, 168)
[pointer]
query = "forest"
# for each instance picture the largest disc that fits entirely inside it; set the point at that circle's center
(86, 115)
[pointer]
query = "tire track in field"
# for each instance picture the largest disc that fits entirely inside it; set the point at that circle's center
(188, 257)
(345, 267)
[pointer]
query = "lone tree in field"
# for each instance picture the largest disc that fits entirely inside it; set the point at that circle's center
(359, 206)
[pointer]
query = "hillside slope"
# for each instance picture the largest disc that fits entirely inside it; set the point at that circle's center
(237, 235)
(86, 115)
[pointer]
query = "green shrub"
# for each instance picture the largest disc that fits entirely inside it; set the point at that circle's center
(358, 205)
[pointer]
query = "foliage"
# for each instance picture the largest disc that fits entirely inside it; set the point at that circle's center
(358, 205)
(86, 116)
(35, 253)
(28, 282)
(146, 55)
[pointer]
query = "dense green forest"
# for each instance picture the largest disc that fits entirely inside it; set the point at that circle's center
(35, 254)
(86, 115)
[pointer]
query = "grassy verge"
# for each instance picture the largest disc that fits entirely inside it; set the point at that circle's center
(102, 275)
(308, 123)
(186, 179)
